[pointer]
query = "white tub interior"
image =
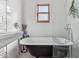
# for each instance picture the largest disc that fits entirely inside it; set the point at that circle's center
(45, 41)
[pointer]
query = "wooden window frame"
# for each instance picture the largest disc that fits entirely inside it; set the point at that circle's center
(43, 13)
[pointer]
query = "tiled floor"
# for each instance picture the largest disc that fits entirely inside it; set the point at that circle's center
(26, 55)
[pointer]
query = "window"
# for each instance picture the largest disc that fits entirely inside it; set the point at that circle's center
(43, 13)
(3, 16)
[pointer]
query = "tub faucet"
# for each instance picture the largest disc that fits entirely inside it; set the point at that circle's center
(69, 31)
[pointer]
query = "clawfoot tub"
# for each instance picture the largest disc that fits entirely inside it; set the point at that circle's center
(47, 46)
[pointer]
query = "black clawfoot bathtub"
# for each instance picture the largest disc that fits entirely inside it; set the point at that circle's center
(43, 46)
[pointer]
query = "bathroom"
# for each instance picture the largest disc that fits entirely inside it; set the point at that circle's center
(58, 32)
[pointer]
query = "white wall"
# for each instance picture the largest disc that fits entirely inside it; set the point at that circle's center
(15, 15)
(57, 18)
(75, 30)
